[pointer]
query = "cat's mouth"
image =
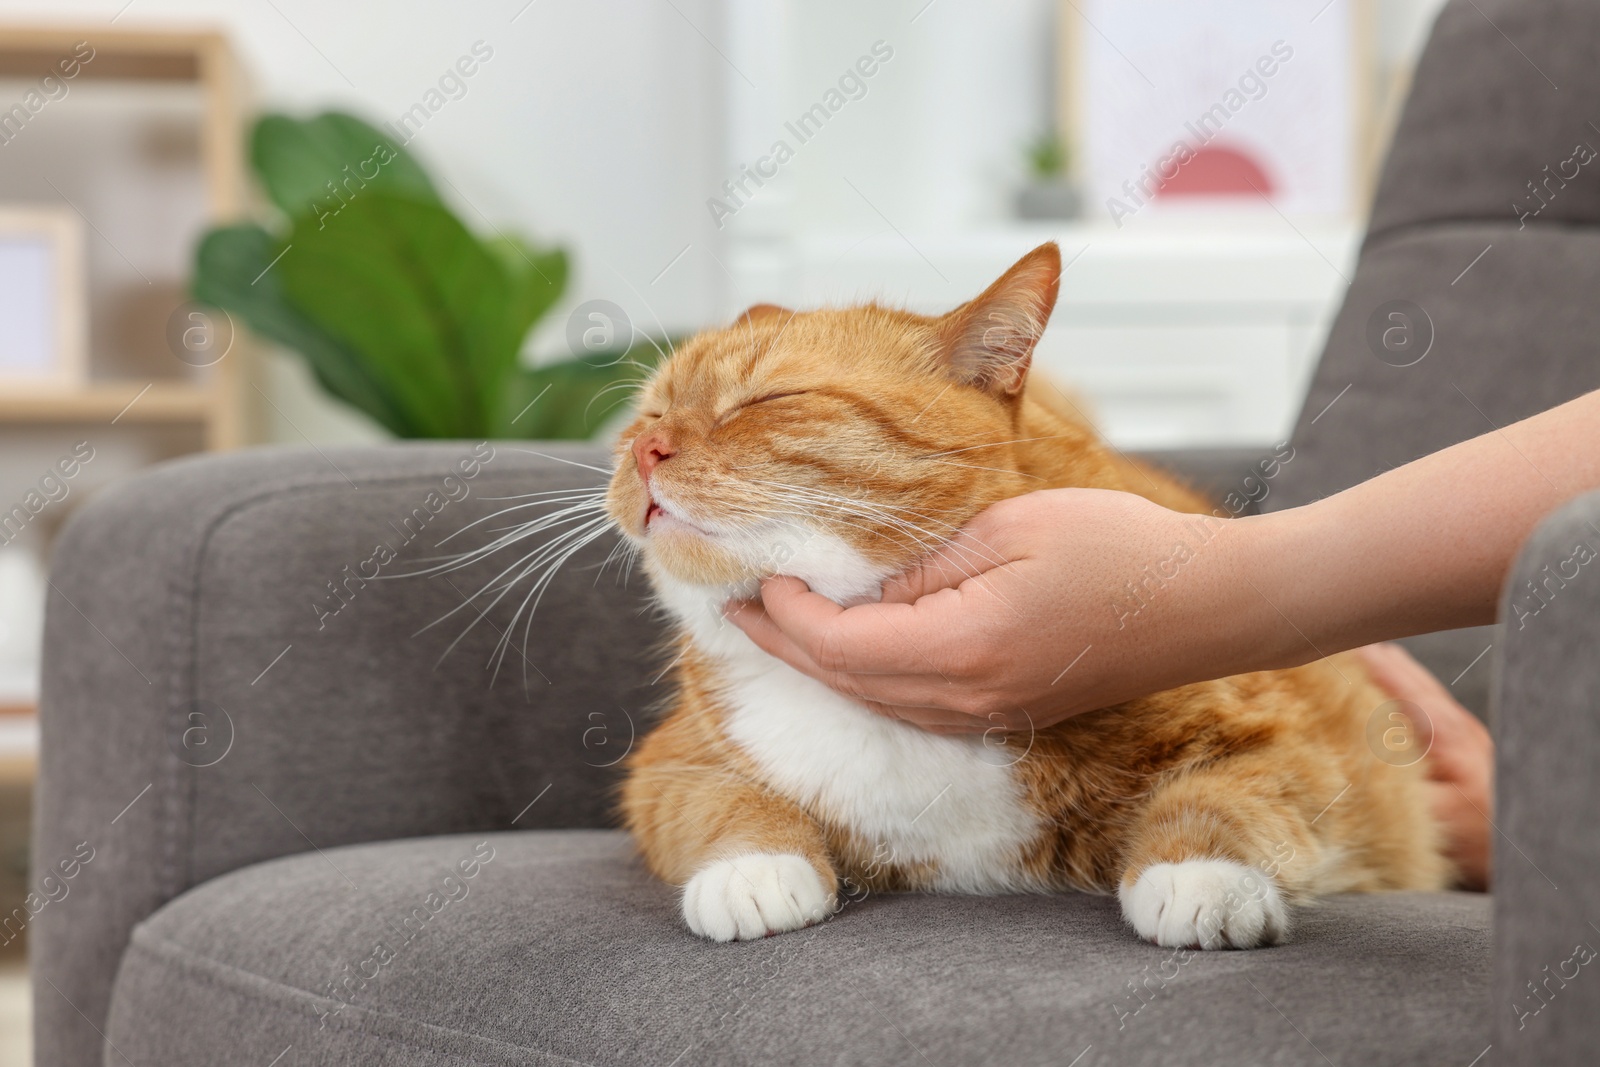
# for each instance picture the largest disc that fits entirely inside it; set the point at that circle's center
(658, 518)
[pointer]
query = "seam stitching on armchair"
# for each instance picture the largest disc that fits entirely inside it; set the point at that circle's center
(177, 851)
(186, 595)
(1423, 227)
(172, 839)
(209, 971)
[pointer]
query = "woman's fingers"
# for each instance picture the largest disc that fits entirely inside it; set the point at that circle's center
(811, 633)
(990, 622)
(908, 690)
(804, 630)
(1470, 844)
(1459, 762)
(1458, 744)
(978, 549)
(934, 720)
(1403, 678)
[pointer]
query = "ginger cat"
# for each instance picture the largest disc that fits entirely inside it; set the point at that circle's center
(808, 444)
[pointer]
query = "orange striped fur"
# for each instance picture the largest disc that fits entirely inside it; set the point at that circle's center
(840, 445)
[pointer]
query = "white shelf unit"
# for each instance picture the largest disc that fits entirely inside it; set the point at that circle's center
(1177, 333)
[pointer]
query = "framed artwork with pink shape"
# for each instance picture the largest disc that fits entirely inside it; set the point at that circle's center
(1203, 106)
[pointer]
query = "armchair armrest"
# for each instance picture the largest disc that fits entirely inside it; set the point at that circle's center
(1546, 983)
(230, 675)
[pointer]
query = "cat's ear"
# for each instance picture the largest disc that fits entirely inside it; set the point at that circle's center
(759, 313)
(989, 342)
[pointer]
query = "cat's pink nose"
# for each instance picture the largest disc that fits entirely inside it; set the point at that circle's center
(649, 449)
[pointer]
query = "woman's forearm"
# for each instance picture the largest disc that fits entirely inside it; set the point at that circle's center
(1089, 597)
(1422, 547)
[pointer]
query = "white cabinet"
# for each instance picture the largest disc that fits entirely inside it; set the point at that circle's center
(1181, 332)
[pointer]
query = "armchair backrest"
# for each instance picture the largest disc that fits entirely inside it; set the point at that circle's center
(1476, 301)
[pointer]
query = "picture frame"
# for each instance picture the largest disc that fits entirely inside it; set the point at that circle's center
(1137, 78)
(42, 298)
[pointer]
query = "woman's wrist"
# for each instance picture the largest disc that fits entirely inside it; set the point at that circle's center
(1283, 567)
(1231, 605)
(1331, 579)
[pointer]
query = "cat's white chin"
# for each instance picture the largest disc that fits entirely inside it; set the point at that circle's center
(696, 578)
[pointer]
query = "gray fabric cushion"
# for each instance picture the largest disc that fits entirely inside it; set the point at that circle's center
(563, 950)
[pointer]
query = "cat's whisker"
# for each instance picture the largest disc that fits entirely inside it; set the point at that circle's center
(550, 556)
(877, 512)
(997, 470)
(814, 496)
(608, 409)
(468, 602)
(537, 594)
(560, 459)
(589, 497)
(601, 489)
(873, 509)
(631, 383)
(996, 444)
(923, 539)
(664, 353)
(867, 509)
(482, 614)
(599, 521)
(515, 534)
(620, 548)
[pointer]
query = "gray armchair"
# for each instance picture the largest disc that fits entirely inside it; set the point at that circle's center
(285, 828)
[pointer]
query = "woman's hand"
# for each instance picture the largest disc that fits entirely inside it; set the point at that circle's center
(1460, 760)
(1047, 605)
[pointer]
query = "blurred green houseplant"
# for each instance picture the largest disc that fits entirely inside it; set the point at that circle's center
(398, 308)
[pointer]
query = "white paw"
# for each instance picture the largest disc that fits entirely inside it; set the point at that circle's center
(754, 895)
(1205, 903)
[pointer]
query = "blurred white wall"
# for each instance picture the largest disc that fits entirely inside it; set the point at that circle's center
(593, 125)
(608, 126)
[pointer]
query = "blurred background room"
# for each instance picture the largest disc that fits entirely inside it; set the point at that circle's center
(621, 174)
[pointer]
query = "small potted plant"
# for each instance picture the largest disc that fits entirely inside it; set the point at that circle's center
(1048, 194)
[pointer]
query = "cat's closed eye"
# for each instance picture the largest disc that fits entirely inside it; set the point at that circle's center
(771, 397)
(764, 399)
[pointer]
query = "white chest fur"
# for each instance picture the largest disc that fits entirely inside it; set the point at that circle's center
(912, 796)
(953, 802)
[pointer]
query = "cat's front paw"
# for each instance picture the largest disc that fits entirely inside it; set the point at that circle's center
(1205, 904)
(754, 895)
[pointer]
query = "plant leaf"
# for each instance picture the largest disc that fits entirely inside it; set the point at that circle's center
(233, 271)
(574, 398)
(405, 286)
(538, 278)
(314, 166)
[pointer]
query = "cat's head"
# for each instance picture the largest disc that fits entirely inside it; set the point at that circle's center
(834, 445)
